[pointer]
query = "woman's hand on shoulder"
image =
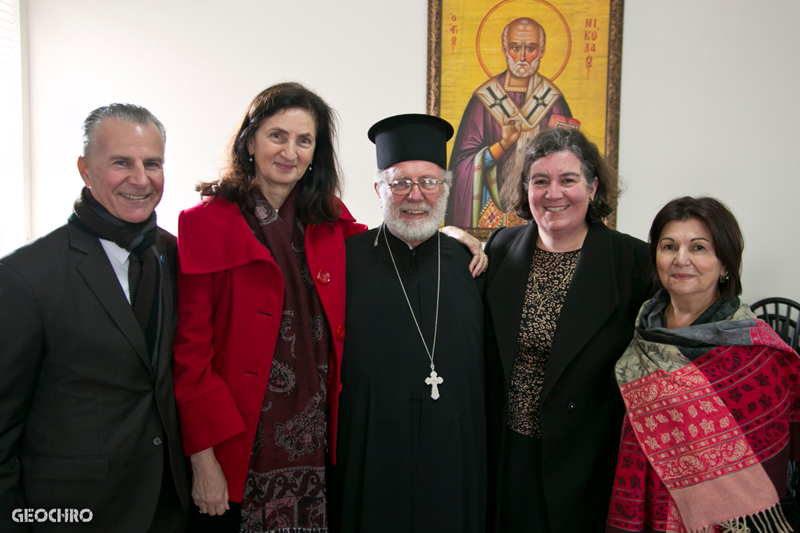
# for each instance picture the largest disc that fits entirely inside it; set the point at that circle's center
(480, 261)
(209, 486)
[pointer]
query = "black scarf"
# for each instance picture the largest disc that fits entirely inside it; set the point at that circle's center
(90, 216)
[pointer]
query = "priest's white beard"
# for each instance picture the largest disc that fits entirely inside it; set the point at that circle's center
(522, 69)
(414, 230)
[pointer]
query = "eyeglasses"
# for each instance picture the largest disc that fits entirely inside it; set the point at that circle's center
(426, 186)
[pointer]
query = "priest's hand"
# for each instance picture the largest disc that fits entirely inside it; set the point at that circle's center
(480, 261)
(209, 486)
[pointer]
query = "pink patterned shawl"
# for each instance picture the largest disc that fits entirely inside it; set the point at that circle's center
(713, 421)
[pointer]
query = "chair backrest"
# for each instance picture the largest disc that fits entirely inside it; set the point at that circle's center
(783, 315)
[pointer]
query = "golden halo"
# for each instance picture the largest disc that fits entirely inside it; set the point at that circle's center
(548, 20)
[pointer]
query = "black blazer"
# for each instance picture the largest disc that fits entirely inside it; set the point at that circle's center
(581, 408)
(84, 418)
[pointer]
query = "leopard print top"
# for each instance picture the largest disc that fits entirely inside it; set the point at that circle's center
(548, 281)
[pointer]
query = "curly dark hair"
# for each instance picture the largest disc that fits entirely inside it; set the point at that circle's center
(317, 191)
(725, 233)
(514, 194)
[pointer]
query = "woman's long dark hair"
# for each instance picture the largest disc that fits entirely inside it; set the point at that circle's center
(317, 189)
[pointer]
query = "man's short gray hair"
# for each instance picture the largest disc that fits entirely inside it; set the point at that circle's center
(131, 113)
(383, 177)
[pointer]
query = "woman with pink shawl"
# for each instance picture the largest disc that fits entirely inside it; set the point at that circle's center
(712, 393)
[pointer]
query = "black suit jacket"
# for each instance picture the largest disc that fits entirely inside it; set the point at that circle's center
(84, 418)
(580, 406)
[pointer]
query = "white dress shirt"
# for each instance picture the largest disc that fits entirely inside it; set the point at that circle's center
(120, 259)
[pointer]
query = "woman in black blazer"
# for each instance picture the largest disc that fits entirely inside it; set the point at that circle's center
(562, 297)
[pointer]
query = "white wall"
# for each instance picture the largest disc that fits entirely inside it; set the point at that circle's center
(710, 107)
(197, 65)
(708, 103)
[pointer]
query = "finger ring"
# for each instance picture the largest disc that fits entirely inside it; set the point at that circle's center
(203, 511)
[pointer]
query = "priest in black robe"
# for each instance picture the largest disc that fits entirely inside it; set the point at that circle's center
(411, 445)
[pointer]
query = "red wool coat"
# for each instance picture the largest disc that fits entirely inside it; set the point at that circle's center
(230, 302)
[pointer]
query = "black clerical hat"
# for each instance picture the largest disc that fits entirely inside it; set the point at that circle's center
(411, 138)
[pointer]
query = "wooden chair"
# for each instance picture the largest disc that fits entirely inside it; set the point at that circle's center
(783, 315)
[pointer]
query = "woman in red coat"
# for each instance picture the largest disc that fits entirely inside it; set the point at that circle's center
(260, 320)
(261, 301)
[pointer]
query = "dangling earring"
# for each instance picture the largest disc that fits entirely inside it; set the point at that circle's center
(251, 158)
(724, 277)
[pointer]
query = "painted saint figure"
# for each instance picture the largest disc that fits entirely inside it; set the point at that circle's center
(502, 115)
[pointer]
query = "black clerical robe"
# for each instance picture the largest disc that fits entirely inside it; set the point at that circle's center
(406, 462)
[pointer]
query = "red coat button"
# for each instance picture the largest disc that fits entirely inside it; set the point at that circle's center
(323, 278)
(340, 333)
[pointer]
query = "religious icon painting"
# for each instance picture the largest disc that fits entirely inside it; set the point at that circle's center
(500, 71)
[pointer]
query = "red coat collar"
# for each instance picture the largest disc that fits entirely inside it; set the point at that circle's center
(213, 236)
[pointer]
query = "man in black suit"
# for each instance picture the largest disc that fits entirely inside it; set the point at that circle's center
(89, 437)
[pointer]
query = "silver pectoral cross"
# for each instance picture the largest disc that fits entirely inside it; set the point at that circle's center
(434, 381)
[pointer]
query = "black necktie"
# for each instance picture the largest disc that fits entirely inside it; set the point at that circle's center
(134, 276)
(142, 287)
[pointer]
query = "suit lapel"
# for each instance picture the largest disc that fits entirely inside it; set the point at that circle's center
(99, 276)
(168, 315)
(591, 299)
(507, 294)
